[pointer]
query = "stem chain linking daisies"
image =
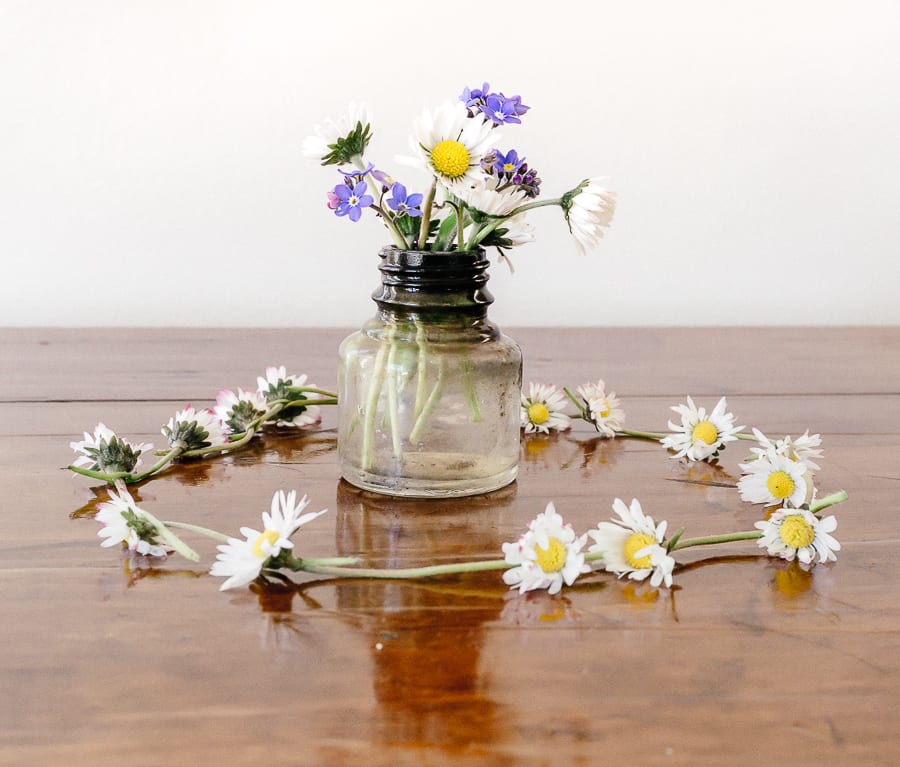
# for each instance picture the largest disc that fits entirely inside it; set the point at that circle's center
(778, 474)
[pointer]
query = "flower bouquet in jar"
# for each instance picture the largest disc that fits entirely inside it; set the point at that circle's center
(429, 389)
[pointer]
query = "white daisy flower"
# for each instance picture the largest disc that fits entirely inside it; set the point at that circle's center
(107, 452)
(547, 556)
(790, 533)
(632, 545)
(700, 436)
(483, 196)
(238, 411)
(191, 429)
(803, 449)
(772, 478)
(588, 209)
(124, 523)
(241, 561)
(542, 410)
(604, 409)
(349, 133)
(519, 230)
(450, 144)
(277, 385)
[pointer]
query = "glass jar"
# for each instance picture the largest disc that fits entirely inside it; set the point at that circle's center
(429, 389)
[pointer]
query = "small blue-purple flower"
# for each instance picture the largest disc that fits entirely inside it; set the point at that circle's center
(474, 98)
(501, 110)
(402, 203)
(527, 180)
(353, 177)
(507, 165)
(352, 200)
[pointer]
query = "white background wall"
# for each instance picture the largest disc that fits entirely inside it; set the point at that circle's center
(151, 174)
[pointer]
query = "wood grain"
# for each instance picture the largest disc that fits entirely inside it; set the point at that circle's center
(748, 661)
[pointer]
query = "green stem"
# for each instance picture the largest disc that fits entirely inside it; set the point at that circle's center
(402, 573)
(223, 448)
(426, 216)
(110, 478)
(393, 412)
(582, 410)
(197, 529)
(829, 500)
(471, 393)
(709, 540)
(399, 239)
(167, 458)
(323, 567)
(312, 390)
(396, 234)
(421, 367)
(479, 234)
(447, 230)
(332, 561)
(371, 404)
(430, 405)
(557, 201)
(308, 402)
(169, 537)
(641, 434)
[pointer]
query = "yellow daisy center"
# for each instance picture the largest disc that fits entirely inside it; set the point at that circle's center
(633, 544)
(780, 484)
(796, 532)
(450, 159)
(605, 412)
(269, 536)
(705, 432)
(553, 558)
(538, 413)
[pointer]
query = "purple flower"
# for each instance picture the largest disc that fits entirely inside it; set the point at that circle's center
(353, 177)
(508, 165)
(518, 106)
(352, 201)
(501, 110)
(473, 98)
(403, 204)
(527, 180)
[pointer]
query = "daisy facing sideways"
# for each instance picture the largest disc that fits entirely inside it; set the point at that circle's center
(632, 545)
(241, 561)
(603, 409)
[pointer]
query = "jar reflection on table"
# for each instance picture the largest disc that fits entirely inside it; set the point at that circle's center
(441, 620)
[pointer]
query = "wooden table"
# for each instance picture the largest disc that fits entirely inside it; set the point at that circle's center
(748, 661)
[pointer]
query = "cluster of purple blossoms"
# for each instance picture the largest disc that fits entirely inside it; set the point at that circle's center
(511, 169)
(351, 196)
(496, 107)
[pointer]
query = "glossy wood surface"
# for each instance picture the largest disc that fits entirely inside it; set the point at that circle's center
(748, 661)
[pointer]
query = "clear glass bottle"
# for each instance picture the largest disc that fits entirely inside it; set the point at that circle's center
(429, 389)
